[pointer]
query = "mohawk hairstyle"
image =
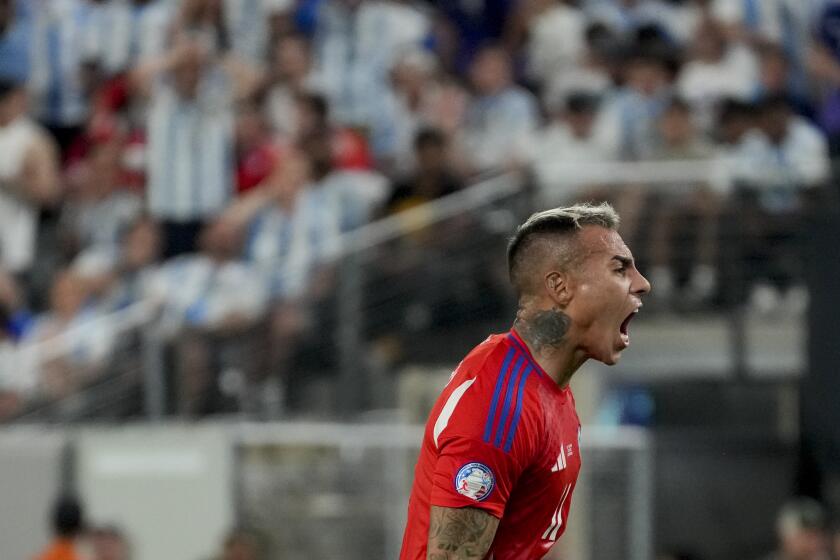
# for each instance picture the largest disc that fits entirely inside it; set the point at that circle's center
(554, 222)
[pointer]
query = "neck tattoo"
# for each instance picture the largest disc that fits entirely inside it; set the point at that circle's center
(545, 329)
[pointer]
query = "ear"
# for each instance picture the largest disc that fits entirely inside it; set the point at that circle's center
(558, 287)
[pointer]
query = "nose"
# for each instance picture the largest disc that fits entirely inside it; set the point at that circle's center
(640, 285)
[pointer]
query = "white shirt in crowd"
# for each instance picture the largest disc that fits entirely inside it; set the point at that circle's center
(18, 217)
(560, 159)
(497, 127)
(801, 160)
(190, 169)
(121, 33)
(556, 41)
(702, 83)
(197, 291)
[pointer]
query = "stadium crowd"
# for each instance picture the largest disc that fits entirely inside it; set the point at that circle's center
(208, 155)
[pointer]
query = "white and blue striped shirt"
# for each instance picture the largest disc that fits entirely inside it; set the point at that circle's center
(60, 46)
(290, 245)
(122, 33)
(354, 51)
(190, 164)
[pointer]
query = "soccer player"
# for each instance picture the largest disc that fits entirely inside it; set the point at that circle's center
(500, 456)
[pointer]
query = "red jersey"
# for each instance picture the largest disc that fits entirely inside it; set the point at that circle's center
(502, 437)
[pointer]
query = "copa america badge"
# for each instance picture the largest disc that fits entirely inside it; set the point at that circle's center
(475, 481)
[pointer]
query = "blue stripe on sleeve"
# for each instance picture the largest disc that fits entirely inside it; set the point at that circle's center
(518, 410)
(517, 370)
(499, 382)
(525, 353)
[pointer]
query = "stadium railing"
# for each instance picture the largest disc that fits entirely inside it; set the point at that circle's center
(425, 285)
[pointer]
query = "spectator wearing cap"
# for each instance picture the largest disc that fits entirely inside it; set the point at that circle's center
(501, 116)
(68, 526)
(190, 137)
(801, 530)
(29, 178)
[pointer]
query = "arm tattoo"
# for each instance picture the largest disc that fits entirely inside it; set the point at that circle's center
(544, 329)
(460, 533)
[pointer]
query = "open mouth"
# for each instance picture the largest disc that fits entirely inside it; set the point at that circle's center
(623, 329)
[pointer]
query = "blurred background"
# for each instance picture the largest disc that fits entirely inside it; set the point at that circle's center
(243, 243)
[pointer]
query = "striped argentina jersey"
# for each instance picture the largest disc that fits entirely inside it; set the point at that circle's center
(289, 245)
(190, 162)
(59, 47)
(502, 437)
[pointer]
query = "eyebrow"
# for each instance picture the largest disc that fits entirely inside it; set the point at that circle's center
(625, 261)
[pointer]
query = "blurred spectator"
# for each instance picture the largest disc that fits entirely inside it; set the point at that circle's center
(60, 78)
(735, 119)
(677, 137)
(256, 154)
(249, 25)
(431, 178)
(351, 192)
(627, 17)
(801, 529)
(592, 73)
(716, 68)
(98, 206)
(349, 148)
(208, 300)
(788, 153)
(571, 139)
(29, 179)
(125, 32)
(191, 132)
(68, 525)
(292, 233)
(683, 217)
(15, 41)
(466, 25)
(290, 75)
(356, 43)
(556, 35)
(86, 337)
(638, 103)
(119, 275)
(500, 118)
(775, 80)
(109, 543)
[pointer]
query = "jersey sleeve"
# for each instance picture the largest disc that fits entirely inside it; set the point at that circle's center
(471, 472)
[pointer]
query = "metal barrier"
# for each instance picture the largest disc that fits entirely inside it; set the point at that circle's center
(426, 285)
(309, 490)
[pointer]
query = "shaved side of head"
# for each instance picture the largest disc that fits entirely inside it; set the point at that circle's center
(548, 240)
